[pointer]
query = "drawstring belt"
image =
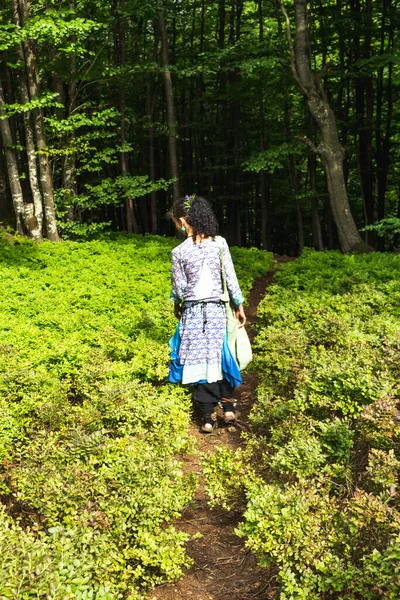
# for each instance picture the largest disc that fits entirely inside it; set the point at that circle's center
(203, 303)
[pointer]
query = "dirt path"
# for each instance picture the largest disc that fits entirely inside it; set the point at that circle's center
(223, 568)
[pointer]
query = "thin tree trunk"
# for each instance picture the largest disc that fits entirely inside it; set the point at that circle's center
(216, 150)
(153, 196)
(312, 170)
(36, 232)
(342, 102)
(233, 116)
(294, 178)
(264, 181)
(201, 155)
(119, 60)
(316, 222)
(169, 95)
(132, 225)
(69, 166)
(397, 236)
(44, 165)
(330, 149)
(329, 224)
(364, 111)
(12, 166)
(3, 183)
(384, 131)
(186, 121)
(29, 140)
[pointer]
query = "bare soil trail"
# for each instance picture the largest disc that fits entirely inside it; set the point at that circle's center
(223, 569)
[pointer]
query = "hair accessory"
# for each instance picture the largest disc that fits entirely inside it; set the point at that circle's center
(188, 201)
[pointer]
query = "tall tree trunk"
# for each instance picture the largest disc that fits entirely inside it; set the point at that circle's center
(383, 147)
(330, 149)
(343, 95)
(12, 167)
(329, 225)
(364, 112)
(37, 231)
(132, 226)
(3, 183)
(201, 154)
(69, 163)
(69, 177)
(312, 171)
(169, 95)
(384, 125)
(316, 222)
(36, 222)
(44, 165)
(233, 143)
(216, 148)
(119, 60)
(264, 180)
(294, 177)
(152, 168)
(396, 238)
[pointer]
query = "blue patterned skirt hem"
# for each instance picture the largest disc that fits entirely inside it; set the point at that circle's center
(229, 366)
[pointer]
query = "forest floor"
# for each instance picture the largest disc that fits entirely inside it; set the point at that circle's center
(223, 568)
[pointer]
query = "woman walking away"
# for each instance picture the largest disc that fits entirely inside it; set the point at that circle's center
(200, 355)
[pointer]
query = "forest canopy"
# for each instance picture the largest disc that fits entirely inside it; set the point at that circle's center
(109, 109)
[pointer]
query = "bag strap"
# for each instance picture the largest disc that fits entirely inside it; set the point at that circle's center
(218, 239)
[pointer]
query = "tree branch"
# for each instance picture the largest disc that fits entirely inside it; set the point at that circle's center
(308, 143)
(291, 48)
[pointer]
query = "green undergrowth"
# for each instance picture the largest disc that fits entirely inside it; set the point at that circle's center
(318, 480)
(90, 478)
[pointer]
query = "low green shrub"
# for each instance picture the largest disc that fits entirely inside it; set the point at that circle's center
(90, 482)
(319, 477)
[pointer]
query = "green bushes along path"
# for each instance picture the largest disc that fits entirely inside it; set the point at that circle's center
(89, 478)
(319, 478)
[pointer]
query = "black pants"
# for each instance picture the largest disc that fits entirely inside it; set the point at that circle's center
(207, 395)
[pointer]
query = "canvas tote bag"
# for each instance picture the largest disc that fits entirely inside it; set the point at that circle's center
(238, 340)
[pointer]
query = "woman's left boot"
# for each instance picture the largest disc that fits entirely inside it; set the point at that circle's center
(228, 407)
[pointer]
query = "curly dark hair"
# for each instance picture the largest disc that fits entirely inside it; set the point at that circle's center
(198, 213)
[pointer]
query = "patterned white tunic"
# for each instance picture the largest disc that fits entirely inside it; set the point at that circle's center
(196, 277)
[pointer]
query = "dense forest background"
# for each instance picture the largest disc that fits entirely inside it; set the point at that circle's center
(109, 109)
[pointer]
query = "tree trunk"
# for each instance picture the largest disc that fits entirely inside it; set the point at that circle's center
(293, 175)
(3, 183)
(169, 95)
(330, 149)
(201, 154)
(119, 60)
(364, 113)
(69, 179)
(264, 181)
(397, 236)
(329, 224)
(316, 222)
(37, 230)
(343, 94)
(217, 149)
(384, 130)
(312, 171)
(44, 165)
(12, 167)
(69, 164)
(232, 117)
(152, 168)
